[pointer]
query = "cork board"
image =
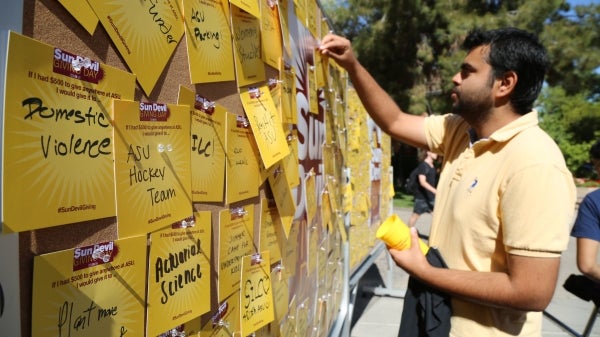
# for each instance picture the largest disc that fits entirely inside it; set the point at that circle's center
(49, 22)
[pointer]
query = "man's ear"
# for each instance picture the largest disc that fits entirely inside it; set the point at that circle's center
(507, 84)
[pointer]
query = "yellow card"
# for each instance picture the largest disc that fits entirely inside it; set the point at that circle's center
(249, 65)
(275, 88)
(288, 327)
(265, 123)
(281, 293)
(313, 247)
(146, 34)
(257, 309)
(190, 328)
(290, 250)
(289, 106)
(302, 318)
(179, 274)
(284, 199)
(313, 17)
(313, 90)
(83, 13)
(301, 11)
(269, 330)
(270, 31)
(311, 196)
(236, 239)
(209, 144)
(242, 167)
(152, 165)
(92, 291)
(290, 163)
(225, 321)
(283, 6)
(270, 229)
(321, 66)
(57, 146)
(326, 209)
(252, 7)
(208, 37)
(325, 29)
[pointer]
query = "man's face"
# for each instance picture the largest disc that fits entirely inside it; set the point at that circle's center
(472, 93)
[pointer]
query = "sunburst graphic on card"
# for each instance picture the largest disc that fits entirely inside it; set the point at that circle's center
(208, 37)
(152, 165)
(113, 293)
(58, 136)
(146, 34)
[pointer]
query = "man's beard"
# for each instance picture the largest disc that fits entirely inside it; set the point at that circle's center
(475, 109)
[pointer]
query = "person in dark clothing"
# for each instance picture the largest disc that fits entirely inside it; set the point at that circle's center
(425, 192)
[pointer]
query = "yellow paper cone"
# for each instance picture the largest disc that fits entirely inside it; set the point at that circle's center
(396, 234)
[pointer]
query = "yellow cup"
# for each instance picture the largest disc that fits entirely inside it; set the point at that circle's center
(396, 234)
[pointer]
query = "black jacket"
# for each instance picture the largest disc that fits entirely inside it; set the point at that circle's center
(426, 311)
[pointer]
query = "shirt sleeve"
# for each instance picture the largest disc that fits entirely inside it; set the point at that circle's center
(587, 224)
(536, 211)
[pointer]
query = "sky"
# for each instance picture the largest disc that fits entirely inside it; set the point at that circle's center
(583, 2)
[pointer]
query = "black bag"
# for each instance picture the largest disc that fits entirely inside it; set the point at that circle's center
(583, 288)
(412, 183)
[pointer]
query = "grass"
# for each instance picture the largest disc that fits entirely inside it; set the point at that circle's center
(403, 200)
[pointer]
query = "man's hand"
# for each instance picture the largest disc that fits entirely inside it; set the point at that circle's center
(411, 260)
(339, 49)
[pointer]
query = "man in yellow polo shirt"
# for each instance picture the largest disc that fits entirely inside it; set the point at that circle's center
(505, 198)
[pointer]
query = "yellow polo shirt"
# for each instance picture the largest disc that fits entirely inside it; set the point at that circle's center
(511, 193)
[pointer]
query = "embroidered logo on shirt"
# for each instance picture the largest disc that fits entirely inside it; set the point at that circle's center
(473, 184)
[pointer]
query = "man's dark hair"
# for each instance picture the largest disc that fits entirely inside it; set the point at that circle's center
(512, 49)
(595, 150)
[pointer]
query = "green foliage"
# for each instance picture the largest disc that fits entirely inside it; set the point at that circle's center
(412, 48)
(573, 122)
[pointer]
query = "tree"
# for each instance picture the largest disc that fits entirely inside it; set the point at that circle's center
(412, 48)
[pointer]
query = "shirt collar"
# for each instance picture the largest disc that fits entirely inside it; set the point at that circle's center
(509, 130)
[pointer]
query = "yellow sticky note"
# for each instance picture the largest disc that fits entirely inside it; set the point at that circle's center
(284, 199)
(256, 300)
(209, 146)
(249, 65)
(266, 127)
(105, 281)
(271, 232)
(146, 34)
(209, 44)
(179, 274)
(58, 138)
(242, 160)
(152, 165)
(83, 13)
(236, 239)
